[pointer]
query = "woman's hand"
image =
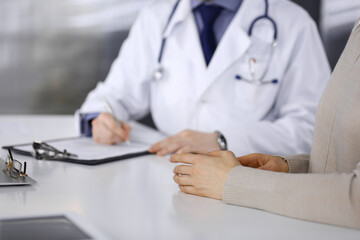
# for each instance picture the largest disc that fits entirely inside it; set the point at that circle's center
(264, 162)
(204, 175)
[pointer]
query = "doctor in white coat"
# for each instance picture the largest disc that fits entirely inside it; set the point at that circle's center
(258, 92)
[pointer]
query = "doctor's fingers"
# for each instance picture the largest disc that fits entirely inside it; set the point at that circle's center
(156, 147)
(121, 133)
(101, 134)
(126, 127)
(188, 158)
(162, 145)
(171, 148)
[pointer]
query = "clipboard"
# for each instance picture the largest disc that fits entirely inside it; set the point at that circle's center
(88, 152)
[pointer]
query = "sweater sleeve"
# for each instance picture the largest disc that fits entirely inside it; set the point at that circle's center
(326, 198)
(298, 163)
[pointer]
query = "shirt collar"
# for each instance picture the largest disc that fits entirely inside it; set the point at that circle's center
(231, 5)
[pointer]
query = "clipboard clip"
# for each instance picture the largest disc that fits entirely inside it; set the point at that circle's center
(42, 150)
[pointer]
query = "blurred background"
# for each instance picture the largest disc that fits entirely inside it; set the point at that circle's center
(53, 52)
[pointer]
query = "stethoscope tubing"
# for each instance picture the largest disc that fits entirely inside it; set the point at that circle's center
(163, 41)
(267, 17)
(159, 71)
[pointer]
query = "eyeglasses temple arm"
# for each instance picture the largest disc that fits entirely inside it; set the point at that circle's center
(10, 154)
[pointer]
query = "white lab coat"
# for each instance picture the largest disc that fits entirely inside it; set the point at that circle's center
(273, 119)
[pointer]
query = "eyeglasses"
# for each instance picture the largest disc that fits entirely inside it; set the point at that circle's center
(13, 167)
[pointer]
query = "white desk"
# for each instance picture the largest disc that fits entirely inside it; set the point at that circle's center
(135, 198)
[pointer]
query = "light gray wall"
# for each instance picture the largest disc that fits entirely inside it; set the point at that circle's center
(337, 21)
(52, 52)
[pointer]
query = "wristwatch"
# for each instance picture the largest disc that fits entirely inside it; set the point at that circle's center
(221, 140)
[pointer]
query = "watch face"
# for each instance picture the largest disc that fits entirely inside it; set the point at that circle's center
(223, 147)
(221, 141)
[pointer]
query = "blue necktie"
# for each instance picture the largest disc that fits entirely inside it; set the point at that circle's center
(208, 13)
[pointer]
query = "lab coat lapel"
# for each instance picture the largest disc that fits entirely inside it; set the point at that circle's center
(233, 46)
(184, 30)
(235, 41)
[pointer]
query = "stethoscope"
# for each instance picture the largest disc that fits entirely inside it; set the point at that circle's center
(159, 71)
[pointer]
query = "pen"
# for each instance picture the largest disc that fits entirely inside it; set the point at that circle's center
(111, 112)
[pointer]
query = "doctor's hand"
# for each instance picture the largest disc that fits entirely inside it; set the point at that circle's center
(106, 130)
(187, 141)
(264, 162)
(204, 175)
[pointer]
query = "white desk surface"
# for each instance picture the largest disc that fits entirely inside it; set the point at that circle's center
(135, 198)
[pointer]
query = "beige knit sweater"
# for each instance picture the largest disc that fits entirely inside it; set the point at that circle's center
(325, 186)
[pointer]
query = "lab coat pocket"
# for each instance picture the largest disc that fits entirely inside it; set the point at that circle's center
(258, 92)
(245, 95)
